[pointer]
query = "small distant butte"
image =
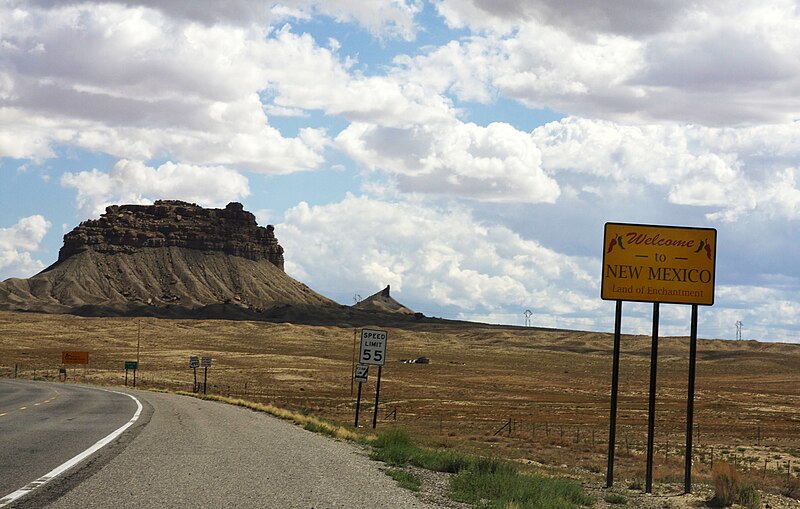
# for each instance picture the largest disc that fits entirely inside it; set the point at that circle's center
(168, 223)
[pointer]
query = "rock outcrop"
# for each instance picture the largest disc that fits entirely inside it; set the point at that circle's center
(131, 228)
(384, 303)
(167, 259)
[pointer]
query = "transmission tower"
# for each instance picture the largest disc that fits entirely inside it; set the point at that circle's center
(528, 313)
(739, 326)
(356, 298)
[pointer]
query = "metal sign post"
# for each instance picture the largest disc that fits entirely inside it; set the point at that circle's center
(612, 429)
(194, 362)
(687, 478)
(360, 375)
(651, 412)
(128, 366)
(658, 264)
(358, 404)
(373, 351)
(206, 363)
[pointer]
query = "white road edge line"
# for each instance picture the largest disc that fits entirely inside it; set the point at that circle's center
(46, 478)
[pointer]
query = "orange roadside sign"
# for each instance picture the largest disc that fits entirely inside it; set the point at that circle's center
(74, 357)
(669, 264)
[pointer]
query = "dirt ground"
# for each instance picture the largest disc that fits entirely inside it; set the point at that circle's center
(537, 396)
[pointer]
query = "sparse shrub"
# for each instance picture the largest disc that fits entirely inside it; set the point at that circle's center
(405, 479)
(749, 496)
(615, 499)
(637, 483)
(726, 482)
(492, 484)
(791, 488)
(393, 447)
(441, 460)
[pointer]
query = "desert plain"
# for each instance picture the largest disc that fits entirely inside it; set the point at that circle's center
(533, 395)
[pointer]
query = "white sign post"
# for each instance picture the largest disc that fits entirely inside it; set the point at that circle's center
(362, 371)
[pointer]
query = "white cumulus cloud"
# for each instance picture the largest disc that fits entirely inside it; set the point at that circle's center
(17, 244)
(437, 256)
(496, 163)
(135, 182)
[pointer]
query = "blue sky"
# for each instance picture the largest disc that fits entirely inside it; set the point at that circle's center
(468, 153)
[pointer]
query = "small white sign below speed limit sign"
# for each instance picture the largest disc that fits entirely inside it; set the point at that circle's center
(362, 371)
(373, 347)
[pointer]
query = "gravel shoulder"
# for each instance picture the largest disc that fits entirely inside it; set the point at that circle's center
(195, 452)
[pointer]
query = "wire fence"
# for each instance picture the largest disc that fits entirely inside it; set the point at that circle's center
(761, 450)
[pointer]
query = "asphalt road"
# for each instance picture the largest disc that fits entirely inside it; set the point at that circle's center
(42, 425)
(187, 452)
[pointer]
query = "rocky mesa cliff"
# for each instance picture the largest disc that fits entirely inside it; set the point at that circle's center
(170, 259)
(131, 228)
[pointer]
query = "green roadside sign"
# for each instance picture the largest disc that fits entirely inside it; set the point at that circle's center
(131, 364)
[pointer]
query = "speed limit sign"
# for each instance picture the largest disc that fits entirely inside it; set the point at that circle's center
(373, 347)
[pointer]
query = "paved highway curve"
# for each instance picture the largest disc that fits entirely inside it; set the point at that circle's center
(43, 425)
(192, 453)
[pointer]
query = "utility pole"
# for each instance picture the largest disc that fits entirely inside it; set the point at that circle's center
(138, 342)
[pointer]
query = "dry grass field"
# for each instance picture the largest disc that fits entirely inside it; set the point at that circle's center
(538, 396)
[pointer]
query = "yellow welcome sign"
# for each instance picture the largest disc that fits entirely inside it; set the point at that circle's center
(669, 264)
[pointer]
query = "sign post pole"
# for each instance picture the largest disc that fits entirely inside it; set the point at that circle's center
(358, 404)
(377, 395)
(687, 478)
(206, 363)
(360, 374)
(128, 366)
(651, 419)
(612, 429)
(194, 362)
(138, 341)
